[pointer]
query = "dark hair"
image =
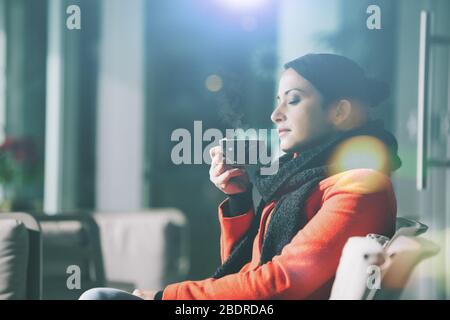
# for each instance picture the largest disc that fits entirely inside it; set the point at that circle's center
(337, 77)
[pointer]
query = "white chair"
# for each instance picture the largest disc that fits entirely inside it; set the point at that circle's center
(375, 267)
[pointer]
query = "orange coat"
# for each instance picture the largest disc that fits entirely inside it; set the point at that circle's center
(351, 203)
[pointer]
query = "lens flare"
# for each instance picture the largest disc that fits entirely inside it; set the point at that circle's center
(361, 152)
(243, 4)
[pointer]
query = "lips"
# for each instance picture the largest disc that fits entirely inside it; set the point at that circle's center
(282, 131)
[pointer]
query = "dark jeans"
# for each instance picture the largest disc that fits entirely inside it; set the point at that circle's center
(107, 294)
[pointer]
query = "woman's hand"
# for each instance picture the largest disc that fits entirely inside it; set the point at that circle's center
(145, 294)
(226, 178)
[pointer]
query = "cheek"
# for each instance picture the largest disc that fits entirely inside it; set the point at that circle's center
(301, 123)
(307, 123)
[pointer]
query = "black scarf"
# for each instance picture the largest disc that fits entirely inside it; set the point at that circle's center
(291, 187)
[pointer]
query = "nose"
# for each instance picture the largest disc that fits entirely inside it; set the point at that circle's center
(277, 114)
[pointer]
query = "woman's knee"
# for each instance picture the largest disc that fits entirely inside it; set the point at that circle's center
(96, 294)
(107, 294)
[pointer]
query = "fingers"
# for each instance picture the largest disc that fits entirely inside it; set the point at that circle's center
(218, 169)
(215, 150)
(222, 180)
(220, 173)
(145, 294)
(138, 293)
(217, 163)
(216, 154)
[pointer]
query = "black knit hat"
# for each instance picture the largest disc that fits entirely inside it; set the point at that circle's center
(337, 77)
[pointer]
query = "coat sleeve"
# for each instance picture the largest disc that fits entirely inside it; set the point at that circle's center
(232, 228)
(310, 260)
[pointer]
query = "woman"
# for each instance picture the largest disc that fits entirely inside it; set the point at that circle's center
(289, 248)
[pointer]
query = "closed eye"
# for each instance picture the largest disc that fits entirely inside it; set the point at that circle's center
(293, 102)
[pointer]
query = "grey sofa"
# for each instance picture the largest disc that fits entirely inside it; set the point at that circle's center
(126, 250)
(37, 251)
(20, 257)
(72, 255)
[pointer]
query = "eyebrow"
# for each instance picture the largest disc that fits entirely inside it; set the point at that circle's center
(287, 91)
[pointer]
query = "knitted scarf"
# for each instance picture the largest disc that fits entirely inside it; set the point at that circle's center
(291, 187)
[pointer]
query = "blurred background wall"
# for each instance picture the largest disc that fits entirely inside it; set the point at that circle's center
(121, 106)
(97, 106)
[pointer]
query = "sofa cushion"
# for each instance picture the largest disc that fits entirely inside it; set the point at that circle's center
(68, 240)
(14, 248)
(146, 249)
(63, 234)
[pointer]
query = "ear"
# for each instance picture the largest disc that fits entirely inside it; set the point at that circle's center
(340, 113)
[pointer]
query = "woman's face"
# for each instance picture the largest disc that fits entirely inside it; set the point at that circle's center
(300, 116)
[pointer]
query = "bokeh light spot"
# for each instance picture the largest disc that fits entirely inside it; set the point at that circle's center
(361, 152)
(214, 83)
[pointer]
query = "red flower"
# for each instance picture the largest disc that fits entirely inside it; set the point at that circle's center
(22, 149)
(8, 144)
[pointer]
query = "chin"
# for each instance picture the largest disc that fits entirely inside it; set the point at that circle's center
(291, 147)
